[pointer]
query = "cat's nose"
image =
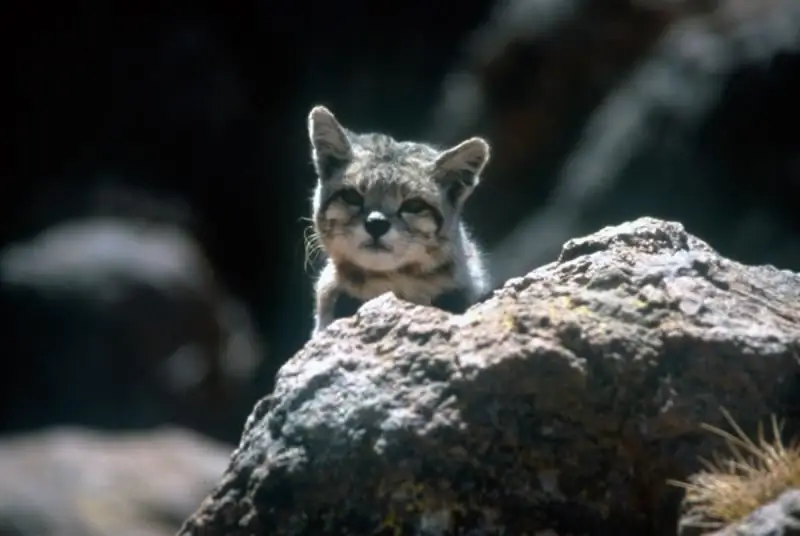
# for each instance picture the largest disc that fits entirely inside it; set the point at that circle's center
(377, 225)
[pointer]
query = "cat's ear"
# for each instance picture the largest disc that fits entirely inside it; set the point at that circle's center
(458, 169)
(330, 147)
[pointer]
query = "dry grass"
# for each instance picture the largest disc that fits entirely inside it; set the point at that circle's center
(754, 474)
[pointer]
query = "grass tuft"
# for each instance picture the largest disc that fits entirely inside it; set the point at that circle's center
(754, 474)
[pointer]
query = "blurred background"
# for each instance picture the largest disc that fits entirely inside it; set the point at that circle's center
(151, 251)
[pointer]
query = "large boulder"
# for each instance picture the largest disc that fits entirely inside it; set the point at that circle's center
(565, 401)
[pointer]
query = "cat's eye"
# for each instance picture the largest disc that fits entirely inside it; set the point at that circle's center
(414, 206)
(351, 197)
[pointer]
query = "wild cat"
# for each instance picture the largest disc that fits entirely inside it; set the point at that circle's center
(387, 214)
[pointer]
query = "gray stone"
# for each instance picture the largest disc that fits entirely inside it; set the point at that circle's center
(564, 402)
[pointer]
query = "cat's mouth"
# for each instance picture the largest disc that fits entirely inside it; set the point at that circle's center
(375, 246)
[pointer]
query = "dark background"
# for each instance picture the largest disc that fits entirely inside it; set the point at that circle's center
(152, 241)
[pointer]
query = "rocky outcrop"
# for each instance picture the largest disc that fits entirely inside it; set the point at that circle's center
(77, 482)
(564, 402)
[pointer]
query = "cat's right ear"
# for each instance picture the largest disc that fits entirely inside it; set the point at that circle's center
(330, 147)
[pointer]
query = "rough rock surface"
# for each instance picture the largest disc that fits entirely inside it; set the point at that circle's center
(778, 518)
(76, 482)
(563, 402)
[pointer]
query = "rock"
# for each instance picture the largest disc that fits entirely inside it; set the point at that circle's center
(563, 402)
(778, 518)
(77, 482)
(122, 324)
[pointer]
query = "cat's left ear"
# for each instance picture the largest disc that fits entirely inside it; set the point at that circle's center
(458, 169)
